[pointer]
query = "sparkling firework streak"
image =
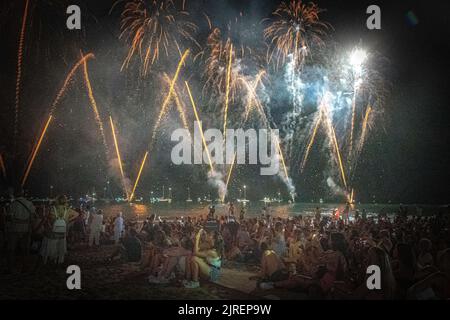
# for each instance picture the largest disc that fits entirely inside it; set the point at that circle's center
(251, 100)
(338, 152)
(199, 126)
(119, 158)
(2, 166)
(362, 138)
(227, 88)
(94, 107)
(152, 27)
(35, 151)
(311, 142)
(178, 103)
(19, 70)
(282, 158)
(224, 62)
(260, 109)
(138, 177)
(352, 127)
(229, 176)
(67, 81)
(364, 128)
(295, 28)
(163, 110)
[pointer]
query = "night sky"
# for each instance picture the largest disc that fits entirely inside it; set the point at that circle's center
(405, 160)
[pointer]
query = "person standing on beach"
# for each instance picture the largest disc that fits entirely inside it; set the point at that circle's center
(54, 245)
(95, 227)
(118, 228)
(18, 223)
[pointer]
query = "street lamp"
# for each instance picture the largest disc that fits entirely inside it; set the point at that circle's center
(245, 192)
(51, 191)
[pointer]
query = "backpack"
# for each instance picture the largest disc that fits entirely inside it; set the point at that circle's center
(60, 225)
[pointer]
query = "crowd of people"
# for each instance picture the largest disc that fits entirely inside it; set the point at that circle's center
(322, 256)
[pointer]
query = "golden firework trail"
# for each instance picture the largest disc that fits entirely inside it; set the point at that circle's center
(362, 138)
(138, 177)
(227, 89)
(119, 158)
(352, 128)
(252, 98)
(2, 166)
(338, 153)
(311, 142)
(364, 127)
(295, 27)
(67, 81)
(169, 95)
(282, 157)
(154, 28)
(35, 151)
(199, 126)
(94, 107)
(178, 103)
(229, 176)
(19, 70)
(266, 122)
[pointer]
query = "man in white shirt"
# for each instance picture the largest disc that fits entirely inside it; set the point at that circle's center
(118, 228)
(95, 228)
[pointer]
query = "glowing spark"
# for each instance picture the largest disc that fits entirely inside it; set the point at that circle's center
(311, 142)
(35, 151)
(169, 94)
(199, 126)
(138, 177)
(282, 157)
(357, 58)
(19, 70)
(229, 176)
(252, 98)
(364, 127)
(338, 152)
(178, 103)
(119, 158)
(67, 81)
(227, 89)
(154, 28)
(94, 107)
(295, 28)
(352, 128)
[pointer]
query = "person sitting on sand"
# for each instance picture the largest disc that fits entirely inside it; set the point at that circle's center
(207, 261)
(129, 249)
(174, 257)
(272, 267)
(279, 241)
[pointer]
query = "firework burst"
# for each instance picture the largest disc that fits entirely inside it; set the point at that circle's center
(294, 30)
(154, 28)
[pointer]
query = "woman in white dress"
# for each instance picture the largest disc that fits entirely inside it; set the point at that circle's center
(54, 245)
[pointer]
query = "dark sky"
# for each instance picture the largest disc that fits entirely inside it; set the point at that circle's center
(406, 159)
